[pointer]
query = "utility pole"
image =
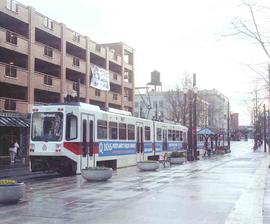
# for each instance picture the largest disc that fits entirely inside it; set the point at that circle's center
(190, 158)
(184, 109)
(194, 117)
(228, 126)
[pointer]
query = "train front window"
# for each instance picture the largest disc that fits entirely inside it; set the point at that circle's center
(47, 126)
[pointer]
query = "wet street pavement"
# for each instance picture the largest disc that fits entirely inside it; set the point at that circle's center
(222, 189)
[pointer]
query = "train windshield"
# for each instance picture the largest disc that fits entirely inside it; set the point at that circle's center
(47, 126)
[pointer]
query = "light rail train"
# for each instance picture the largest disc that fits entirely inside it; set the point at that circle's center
(69, 137)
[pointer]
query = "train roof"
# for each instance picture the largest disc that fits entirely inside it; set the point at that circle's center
(89, 107)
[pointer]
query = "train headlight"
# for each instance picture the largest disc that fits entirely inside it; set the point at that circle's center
(32, 147)
(58, 147)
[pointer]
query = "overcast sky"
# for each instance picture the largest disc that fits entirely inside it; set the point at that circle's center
(172, 36)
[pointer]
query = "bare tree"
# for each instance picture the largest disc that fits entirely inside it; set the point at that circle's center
(175, 102)
(256, 29)
(178, 105)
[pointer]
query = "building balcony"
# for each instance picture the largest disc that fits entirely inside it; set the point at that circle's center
(128, 85)
(21, 44)
(18, 77)
(114, 98)
(75, 64)
(128, 66)
(46, 24)
(71, 88)
(20, 14)
(75, 38)
(47, 82)
(117, 59)
(128, 103)
(97, 49)
(13, 105)
(97, 95)
(115, 78)
(39, 52)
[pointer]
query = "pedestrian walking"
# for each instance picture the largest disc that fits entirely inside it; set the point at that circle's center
(13, 151)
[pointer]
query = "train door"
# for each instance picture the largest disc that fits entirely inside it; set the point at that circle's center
(164, 139)
(139, 141)
(87, 136)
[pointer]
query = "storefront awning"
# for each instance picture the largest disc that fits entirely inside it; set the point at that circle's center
(14, 122)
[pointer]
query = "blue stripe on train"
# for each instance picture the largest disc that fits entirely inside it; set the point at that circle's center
(109, 148)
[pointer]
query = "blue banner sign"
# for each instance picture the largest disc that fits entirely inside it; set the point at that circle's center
(116, 148)
(147, 147)
(174, 146)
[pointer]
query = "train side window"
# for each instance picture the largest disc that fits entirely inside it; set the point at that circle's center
(72, 127)
(173, 135)
(147, 133)
(181, 136)
(113, 132)
(169, 135)
(101, 129)
(131, 132)
(122, 131)
(177, 135)
(159, 134)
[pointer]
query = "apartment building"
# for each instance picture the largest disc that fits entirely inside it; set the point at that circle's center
(42, 61)
(217, 110)
(169, 106)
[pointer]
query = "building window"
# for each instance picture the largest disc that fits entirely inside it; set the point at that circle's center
(97, 92)
(12, 5)
(161, 104)
(48, 51)
(11, 37)
(10, 104)
(115, 76)
(115, 96)
(48, 23)
(113, 130)
(76, 37)
(47, 80)
(76, 62)
(11, 71)
(101, 129)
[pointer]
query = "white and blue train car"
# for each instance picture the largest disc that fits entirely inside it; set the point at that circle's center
(69, 137)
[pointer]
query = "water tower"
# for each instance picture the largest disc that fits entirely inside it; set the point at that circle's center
(155, 80)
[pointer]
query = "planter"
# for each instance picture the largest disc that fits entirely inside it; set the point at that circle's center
(177, 160)
(97, 173)
(11, 193)
(148, 165)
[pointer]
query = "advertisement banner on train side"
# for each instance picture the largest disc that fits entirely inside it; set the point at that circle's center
(116, 148)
